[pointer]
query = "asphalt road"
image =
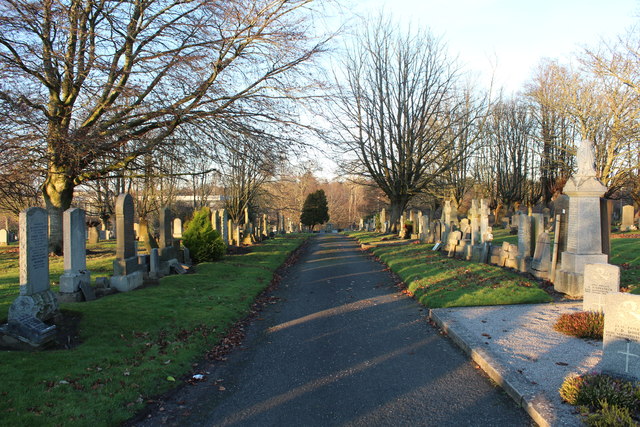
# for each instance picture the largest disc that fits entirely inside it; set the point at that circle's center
(343, 347)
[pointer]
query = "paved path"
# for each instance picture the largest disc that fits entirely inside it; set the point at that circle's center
(343, 347)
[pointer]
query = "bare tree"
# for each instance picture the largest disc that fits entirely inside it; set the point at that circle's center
(401, 111)
(112, 79)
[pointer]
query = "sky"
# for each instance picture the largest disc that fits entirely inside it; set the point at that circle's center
(512, 35)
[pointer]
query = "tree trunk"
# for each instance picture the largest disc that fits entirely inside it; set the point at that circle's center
(57, 192)
(397, 207)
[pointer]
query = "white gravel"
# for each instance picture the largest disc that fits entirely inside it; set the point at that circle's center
(528, 352)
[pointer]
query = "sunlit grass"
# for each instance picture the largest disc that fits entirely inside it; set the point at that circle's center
(437, 281)
(132, 342)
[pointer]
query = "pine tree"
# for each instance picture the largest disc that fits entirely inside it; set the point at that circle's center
(315, 209)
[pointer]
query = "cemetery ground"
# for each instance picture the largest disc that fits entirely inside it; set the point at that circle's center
(130, 346)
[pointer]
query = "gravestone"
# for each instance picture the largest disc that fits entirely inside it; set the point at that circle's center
(223, 218)
(75, 255)
(454, 212)
(424, 229)
(4, 237)
(36, 302)
(599, 280)
(541, 262)
(166, 246)
(93, 235)
(126, 271)
(561, 207)
(484, 221)
(584, 244)
(383, 220)
(446, 214)
(154, 264)
(265, 226)
(621, 341)
(474, 220)
(627, 218)
(523, 259)
(177, 228)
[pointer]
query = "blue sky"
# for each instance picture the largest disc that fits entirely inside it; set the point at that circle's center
(512, 34)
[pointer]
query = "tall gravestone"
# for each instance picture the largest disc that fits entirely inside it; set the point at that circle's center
(541, 261)
(223, 217)
(36, 302)
(383, 220)
(525, 248)
(75, 255)
(599, 280)
(584, 244)
(126, 270)
(474, 220)
(621, 341)
(454, 211)
(484, 221)
(561, 207)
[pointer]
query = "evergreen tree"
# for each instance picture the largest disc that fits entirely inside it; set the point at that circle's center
(315, 209)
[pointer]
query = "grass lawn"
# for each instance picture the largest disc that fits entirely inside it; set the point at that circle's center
(437, 281)
(134, 345)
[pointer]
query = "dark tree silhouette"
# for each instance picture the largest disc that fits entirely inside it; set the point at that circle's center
(315, 209)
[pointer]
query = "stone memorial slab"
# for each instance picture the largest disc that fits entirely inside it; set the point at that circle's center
(127, 274)
(87, 292)
(599, 280)
(541, 262)
(627, 218)
(621, 343)
(75, 253)
(4, 237)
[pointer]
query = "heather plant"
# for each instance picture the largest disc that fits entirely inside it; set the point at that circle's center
(591, 390)
(611, 416)
(583, 324)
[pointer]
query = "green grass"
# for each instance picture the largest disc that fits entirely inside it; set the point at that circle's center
(625, 252)
(503, 235)
(132, 343)
(437, 281)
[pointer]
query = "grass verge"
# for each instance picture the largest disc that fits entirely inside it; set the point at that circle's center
(134, 345)
(437, 281)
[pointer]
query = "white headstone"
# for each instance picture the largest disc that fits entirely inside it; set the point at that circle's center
(75, 251)
(621, 346)
(4, 237)
(599, 280)
(177, 228)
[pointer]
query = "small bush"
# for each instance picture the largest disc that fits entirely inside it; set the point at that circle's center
(610, 416)
(204, 243)
(591, 390)
(583, 324)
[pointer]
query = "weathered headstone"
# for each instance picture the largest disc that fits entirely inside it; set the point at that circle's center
(126, 271)
(561, 207)
(177, 228)
(524, 242)
(484, 220)
(93, 235)
(599, 280)
(154, 264)
(584, 245)
(627, 218)
(621, 343)
(223, 217)
(446, 213)
(36, 302)
(474, 220)
(541, 262)
(75, 255)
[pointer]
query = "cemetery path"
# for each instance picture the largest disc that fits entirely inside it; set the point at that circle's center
(343, 347)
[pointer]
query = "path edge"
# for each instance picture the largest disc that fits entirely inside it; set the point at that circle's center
(533, 402)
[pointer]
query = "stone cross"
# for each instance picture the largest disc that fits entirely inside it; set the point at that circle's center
(75, 252)
(599, 280)
(484, 220)
(621, 343)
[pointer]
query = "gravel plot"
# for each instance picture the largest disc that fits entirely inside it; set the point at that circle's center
(518, 342)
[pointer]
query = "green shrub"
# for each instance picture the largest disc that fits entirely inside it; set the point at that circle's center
(610, 416)
(204, 243)
(591, 390)
(583, 324)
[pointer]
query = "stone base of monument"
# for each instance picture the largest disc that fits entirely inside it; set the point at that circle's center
(523, 263)
(70, 296)
(41, 305)
(126, 283)
(570, 278)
